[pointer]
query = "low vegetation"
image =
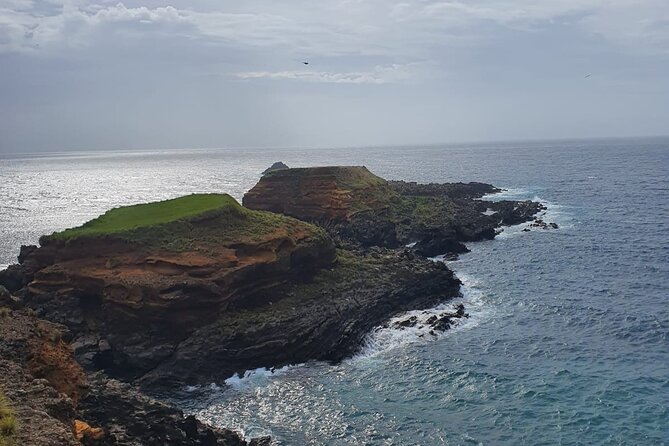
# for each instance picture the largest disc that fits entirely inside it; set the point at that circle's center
(128, 218)
(189, 222)
(349, 177)
(426, 212)
(8, 423)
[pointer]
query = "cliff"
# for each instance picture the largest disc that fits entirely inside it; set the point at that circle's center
(320, 193)
(55, 403)
(355, 205)
(168, 267)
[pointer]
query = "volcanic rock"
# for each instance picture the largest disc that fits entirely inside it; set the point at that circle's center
(322, 194)
(169, 279)
(276, 166)
(358, 208)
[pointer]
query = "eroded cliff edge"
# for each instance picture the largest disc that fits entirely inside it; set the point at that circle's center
(360, 209)
(195, 289)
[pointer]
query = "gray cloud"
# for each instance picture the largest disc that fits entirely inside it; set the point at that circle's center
(380, 75)
(338, 26)
(80, 74)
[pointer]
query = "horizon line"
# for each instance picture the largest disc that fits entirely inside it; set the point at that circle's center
(329, 147)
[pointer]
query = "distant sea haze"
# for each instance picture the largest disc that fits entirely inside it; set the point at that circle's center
(568, 335)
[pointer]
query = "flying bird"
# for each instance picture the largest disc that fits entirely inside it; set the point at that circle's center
(306, 63)
(587, 76)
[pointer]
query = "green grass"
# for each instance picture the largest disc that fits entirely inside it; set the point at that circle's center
(349, 177)
(129, 218)
(8, 424)
(200, 222)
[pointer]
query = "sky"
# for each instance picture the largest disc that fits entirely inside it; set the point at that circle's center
(78, 75)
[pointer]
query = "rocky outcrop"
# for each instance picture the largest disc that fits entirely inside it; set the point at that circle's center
(276, 166)
(128, 417)
(356, 206)
(432, 323)
(104, 288)
(56, 404)
(325, 319)
(444, 190)
(323, 194)
(40, 379)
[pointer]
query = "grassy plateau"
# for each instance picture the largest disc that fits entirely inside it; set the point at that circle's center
(127, 218)
(184, 223)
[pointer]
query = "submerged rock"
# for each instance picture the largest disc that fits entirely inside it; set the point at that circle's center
(541, 224)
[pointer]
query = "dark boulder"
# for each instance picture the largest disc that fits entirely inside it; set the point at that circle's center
(276, 166)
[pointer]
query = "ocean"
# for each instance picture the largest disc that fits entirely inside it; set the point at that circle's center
(568, 336)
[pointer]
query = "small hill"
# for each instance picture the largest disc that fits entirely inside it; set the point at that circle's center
(320, 193)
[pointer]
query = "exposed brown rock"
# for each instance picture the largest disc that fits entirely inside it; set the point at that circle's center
(358, 207)
(38, 376)
(103, 289)
(87, 434)
(319, 193)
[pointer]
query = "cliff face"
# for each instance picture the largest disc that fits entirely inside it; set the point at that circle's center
(323, 319)
(319, 193)
(56, 404)
(168, 279)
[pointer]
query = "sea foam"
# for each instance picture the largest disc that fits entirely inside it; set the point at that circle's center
(390, 336)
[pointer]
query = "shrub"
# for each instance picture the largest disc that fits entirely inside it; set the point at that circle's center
(8, 424)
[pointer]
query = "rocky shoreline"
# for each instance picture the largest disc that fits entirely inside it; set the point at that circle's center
(95, 321)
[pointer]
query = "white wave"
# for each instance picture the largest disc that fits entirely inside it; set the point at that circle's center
(475, 300)
(554, 213)
(4, 266)
(391, 336)
(559, 214)
(257, 377)
(513, 193)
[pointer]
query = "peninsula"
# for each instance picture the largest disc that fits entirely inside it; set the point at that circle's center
(152, 297)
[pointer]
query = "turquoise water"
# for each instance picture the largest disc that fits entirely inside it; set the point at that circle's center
(568, 340)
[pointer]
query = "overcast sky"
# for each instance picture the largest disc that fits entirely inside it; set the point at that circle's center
(220, 73)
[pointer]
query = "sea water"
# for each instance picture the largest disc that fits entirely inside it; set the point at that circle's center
(568, 336)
